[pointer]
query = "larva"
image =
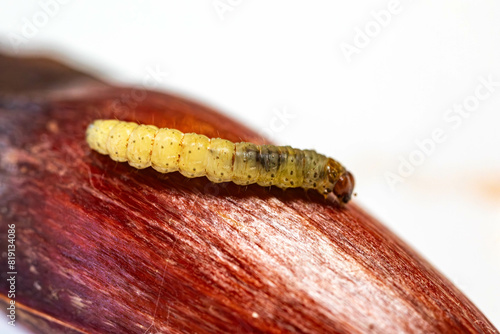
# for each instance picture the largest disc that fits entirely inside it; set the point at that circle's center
(194, 155)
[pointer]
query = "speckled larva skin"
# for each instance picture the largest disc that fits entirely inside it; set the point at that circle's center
(194, 155)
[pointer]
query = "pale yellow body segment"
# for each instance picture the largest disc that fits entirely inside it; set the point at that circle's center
(314, 166)
(246, 170)
(166, 150)
(220, 160)
(140, 146)
(286, 175)
(98, 133)
(269, 174)
(194, 155)
(117, 141)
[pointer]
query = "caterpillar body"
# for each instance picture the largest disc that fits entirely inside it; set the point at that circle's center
(194, 155)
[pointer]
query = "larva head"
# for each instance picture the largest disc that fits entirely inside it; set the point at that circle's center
(342, 179)
(344, 187)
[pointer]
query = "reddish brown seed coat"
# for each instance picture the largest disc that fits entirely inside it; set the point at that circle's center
(103, 248)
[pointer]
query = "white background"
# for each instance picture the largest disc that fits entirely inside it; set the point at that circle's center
(255, 60)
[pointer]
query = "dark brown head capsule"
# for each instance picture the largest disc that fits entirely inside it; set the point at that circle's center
(344, 187)
(342, 179)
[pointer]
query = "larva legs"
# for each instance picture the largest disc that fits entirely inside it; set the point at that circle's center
(194, 155)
